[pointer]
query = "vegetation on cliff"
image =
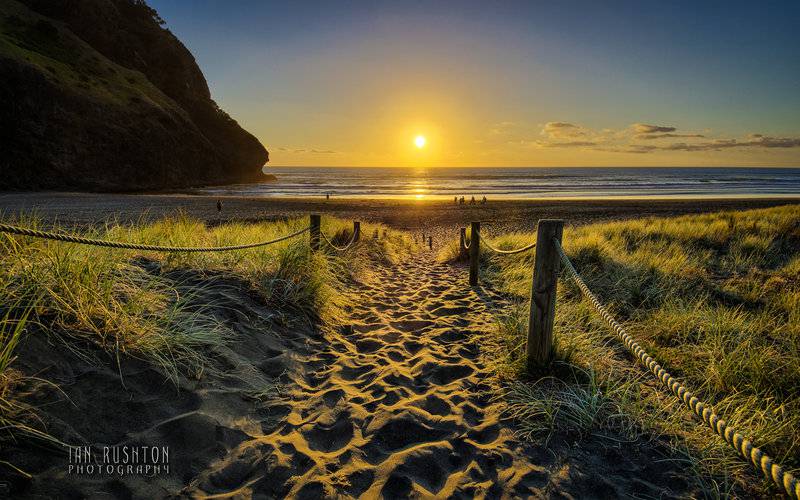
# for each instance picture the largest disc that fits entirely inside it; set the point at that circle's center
(99, 95)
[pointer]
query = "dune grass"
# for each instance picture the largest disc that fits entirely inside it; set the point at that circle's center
(137, 302)
(714, 298)
(159, 307)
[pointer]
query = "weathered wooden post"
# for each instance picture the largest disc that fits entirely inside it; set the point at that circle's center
(543, 294)
(316, 222)
(430, 242)
(356, 231)
(462, 251)
(474, 252)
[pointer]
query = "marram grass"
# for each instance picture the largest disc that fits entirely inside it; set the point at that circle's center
(714, 298)
(149, 305)
(140, 303)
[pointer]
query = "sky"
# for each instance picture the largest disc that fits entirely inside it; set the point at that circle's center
(573, 83)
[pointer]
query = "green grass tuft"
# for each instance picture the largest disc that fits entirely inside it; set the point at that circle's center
(715, 298)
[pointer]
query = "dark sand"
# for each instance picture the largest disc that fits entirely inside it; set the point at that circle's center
(81, 209)
(394, 402)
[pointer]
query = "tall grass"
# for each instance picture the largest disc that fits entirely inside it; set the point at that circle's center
(18, 421)
(148, 304)
(163, 307)
(714, 298)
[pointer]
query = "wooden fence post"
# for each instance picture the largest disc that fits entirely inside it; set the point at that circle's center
(474, 252)
(543, 294)
(316, 223)
(356, 231)
(462, 252)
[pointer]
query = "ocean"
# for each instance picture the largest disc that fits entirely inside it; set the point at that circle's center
(533, 182)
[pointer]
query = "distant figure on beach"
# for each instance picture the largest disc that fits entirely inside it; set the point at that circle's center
(472, 201)
(327, 196)
(455, 199)
(462, 200)
(219, 205)
(483, 201)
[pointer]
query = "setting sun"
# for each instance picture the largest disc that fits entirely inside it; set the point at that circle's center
(420, 141)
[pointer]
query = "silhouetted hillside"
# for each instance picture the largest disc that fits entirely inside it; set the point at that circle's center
(96, 94)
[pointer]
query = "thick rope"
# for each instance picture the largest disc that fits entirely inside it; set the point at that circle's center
(506, 252)
(740, 443)
(70, 238)
(341, 249)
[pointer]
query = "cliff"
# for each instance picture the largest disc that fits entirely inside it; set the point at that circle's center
(97, 95)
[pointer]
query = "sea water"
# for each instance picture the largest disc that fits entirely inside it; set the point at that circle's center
(533, 182)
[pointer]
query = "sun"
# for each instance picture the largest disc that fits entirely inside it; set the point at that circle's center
(419, 141)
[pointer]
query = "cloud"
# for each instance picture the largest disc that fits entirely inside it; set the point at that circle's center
(305, 150)
(628, 148)
(555, 125)
(567, 144)
(777, 142)
(643, 128)
(718, 145)
(503, 128)
(556, 130)
(666, 136)
(624, 140)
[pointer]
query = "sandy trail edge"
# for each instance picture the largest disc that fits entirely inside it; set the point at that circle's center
(399, 405)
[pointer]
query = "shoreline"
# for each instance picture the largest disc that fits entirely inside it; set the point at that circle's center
(85, 209)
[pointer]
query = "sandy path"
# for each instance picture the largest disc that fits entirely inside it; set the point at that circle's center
(397, 405)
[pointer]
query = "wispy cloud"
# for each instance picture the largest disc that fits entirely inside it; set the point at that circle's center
(667, 136)
(566, 144)
(643, 128)
(719, 145)
(559, 130)
(305, 150)
(625, 140)
(503, 128)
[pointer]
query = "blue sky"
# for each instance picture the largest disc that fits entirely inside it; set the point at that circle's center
(350, 82)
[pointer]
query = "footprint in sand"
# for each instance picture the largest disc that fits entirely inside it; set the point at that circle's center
(399, 406)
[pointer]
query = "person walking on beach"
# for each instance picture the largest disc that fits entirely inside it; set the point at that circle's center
(472, 201)
(219, 206)
(483, 201)
(461, 200)
(455, 199)
(327, 196)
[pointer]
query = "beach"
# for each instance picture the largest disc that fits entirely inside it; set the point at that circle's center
(259, 250)
(376, 371)
(83, 209)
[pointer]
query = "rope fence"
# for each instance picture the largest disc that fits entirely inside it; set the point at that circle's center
(549, 257)
(506, 252)
(739, 442)
(339, 248)
(71, 238)
(313, 227)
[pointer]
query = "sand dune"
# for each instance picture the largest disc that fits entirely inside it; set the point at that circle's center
(395, 403)
(398, 405)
